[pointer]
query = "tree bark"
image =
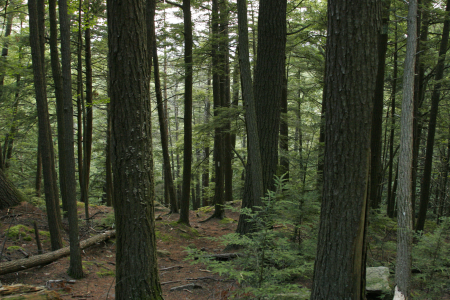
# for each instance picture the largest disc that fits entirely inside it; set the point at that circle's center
(75, 268)
(36, 19)
(254, 152)
(339, 271)
(404, 215)
(377, 115)
(267, 91)
(164, 132)
(9, 195)
(188, 82)
(129, 64)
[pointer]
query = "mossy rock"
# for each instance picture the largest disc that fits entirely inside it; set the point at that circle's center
(162, 253)
(13, 248)
(205, 209)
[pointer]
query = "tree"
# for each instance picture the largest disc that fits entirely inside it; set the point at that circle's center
(75, 269)
(267, 92)
(129, 64)
(9, 195)
(188, 82)
(435, 99)
(351, 61)
(36, 19)
(404, 203)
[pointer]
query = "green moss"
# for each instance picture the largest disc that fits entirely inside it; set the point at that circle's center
(80, 204)
(28, 238)
(206, 209)
(104, 272)
(13, 248)
(162, 237)
(226, 221)
(44, 233)
(19, 230)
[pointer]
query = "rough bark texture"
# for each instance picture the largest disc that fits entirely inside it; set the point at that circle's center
(129, 62)
(268, 86)
(435, 97)
(353, 27)
(36, 19)
(404, 215)
(75, 268)
(250, 117)
(9, 195)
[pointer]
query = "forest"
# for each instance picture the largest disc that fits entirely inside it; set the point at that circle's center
(320, 128)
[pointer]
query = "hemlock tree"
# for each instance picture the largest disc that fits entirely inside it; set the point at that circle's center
(351, 62)
(129, 63)
(267, 94)
(36, 19)
(404, 203)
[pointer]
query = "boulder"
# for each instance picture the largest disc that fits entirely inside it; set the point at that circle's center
(377, 281)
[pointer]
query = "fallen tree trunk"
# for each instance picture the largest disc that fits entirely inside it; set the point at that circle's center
(37, 260)
(22, 291)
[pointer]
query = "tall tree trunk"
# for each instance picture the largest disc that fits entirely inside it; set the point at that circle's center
(390, 194)
(75, 268)
(435, 97)
(267, 91)
(164, 132)
(130, 69)
(404, 215)
(187, 161)
(339, 271)
(36, 19)
(109, 178)
(377, 115)
(284, 133)
(58, 82)
(217, 69)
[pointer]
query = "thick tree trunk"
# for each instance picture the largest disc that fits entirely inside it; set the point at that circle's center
(268, 93)
(339, 271)
(435, 97)
(130, 69)
(9, 195)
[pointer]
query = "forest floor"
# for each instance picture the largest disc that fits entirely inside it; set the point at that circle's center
(99, 260)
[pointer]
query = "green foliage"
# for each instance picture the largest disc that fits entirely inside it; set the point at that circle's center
(108, 221)
(431, 259)
(270, 263)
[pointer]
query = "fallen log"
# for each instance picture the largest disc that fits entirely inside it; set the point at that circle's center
(22, 291)
(42, 259)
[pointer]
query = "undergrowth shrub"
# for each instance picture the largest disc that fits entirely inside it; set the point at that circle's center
(431, 262)
(272, 263)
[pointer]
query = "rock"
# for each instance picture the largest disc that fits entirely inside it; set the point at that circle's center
(377, 283)
(377, 279)
(162, 253)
